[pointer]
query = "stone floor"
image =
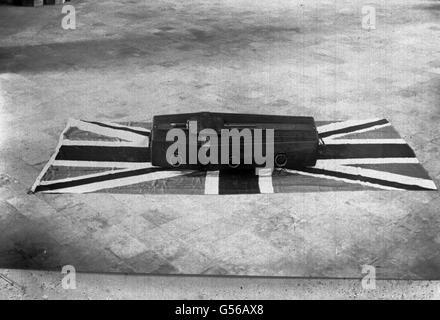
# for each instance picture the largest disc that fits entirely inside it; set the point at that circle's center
(128, 60)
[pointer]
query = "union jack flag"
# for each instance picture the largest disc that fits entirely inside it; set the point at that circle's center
(115, 157)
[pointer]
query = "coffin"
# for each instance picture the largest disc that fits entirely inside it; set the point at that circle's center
(295, 139)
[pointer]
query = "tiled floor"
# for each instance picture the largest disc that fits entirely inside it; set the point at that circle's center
(129, 60)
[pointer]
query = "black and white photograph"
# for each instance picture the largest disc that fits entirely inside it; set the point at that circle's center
(219, 150)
